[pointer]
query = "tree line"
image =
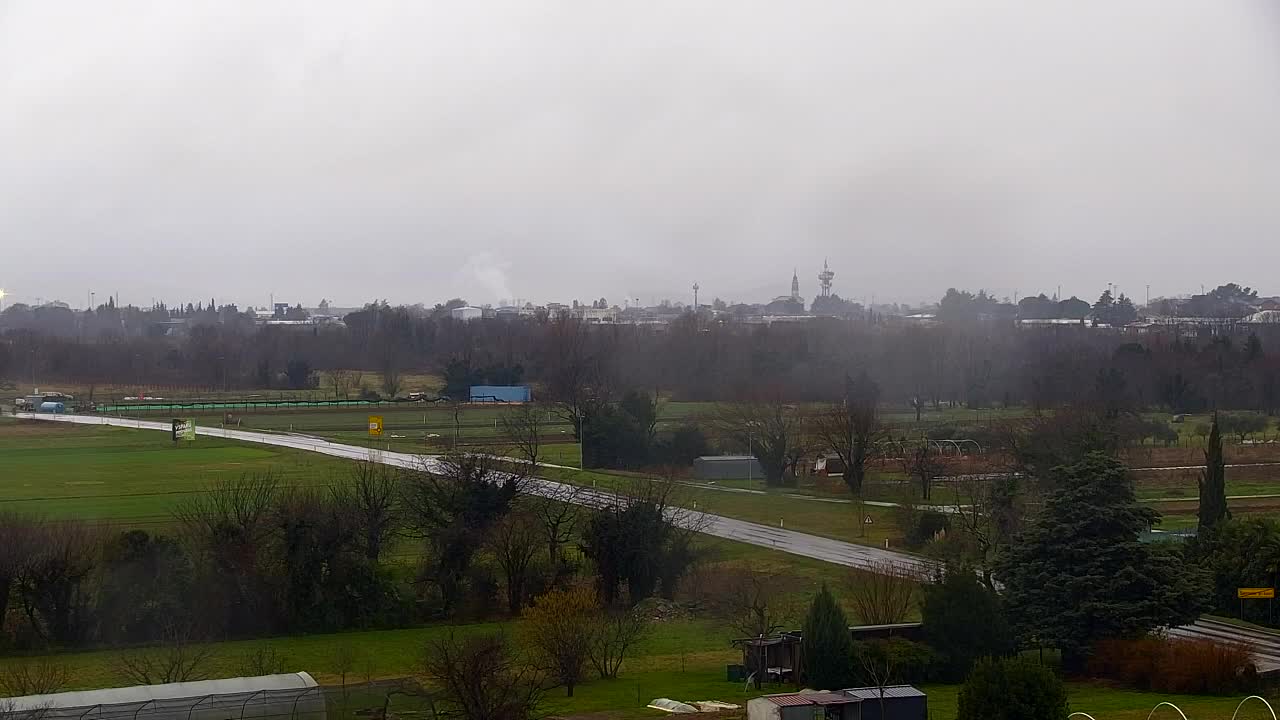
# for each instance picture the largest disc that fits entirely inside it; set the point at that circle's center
(461, 537)
(964, 359)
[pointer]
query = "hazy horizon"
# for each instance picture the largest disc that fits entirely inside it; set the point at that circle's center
(554, 151)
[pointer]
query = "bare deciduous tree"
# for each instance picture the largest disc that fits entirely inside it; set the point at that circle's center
(18, 543)
(514, 542)
(614, 636)
(263, 660)
(752, 601)
(851, 429)
(345, 657)
(578, 375)
(479, 678)
(772, 430)
(922, 463)
(41, 676)
(391, 378)
(228, 530)
(559, 631)
(179, 659)
(988, 510)
(880, 666)
(11, 710)
(523, 426)
(369, 495)
(238, 511)
(557, 509)
(341, 382)
(452, 504)
(54, 581)
(881, 595)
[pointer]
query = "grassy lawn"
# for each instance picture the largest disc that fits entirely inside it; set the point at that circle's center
(425, 425)
(135, 477)
(834, 520)
(128, 476)
(1108, 703)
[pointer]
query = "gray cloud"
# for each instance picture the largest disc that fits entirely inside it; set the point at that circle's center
(409, 150)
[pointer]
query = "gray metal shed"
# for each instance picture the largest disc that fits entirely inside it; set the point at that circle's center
(901, 702)
(727, 467)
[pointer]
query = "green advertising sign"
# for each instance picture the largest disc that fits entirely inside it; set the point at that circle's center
(184, 430)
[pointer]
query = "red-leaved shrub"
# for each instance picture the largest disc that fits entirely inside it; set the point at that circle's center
(1176, 665)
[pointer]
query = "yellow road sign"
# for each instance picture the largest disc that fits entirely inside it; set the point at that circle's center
(1256, 593)
(375, 426)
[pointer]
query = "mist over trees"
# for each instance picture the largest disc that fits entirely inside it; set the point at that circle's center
(973, 354)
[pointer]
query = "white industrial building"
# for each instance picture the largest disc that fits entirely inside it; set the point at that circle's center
(466, 313)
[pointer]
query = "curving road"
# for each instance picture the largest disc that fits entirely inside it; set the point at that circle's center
(788, 541)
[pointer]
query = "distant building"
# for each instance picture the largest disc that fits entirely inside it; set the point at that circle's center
(771, 319)
(466, 313)
(592, 315)
(500, 393)
(727, 467)
(511, 311)
(1263, 317)
(1049, 322)
(899, 702)
(921, 318)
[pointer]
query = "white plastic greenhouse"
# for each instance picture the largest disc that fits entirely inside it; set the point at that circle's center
(292, 696)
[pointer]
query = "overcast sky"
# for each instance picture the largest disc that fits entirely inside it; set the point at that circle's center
(551, 150)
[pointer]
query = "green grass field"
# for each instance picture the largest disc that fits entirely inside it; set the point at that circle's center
(135, 477)
(130, 477)
(419, 426)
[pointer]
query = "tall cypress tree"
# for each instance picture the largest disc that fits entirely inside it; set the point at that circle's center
(827, 646)
(1213, 482)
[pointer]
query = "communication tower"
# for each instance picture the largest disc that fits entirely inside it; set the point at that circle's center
(824, 279)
